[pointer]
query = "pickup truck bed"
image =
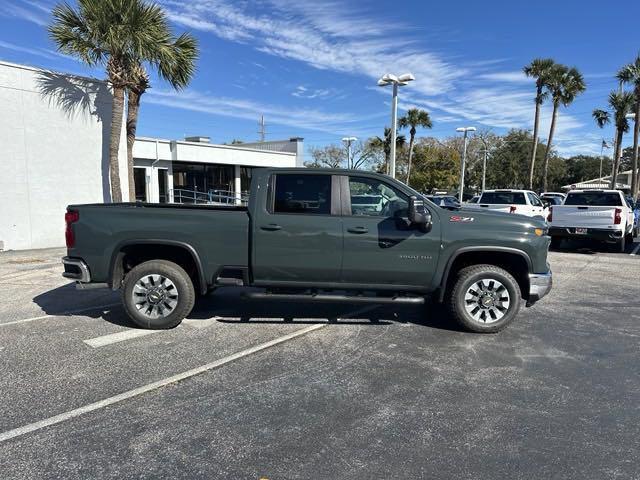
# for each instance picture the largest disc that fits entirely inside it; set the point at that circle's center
(214, 235)
(301, 237)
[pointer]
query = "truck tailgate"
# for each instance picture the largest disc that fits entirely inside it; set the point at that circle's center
(584, 217)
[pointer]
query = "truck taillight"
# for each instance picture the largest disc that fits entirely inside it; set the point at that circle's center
(512, 209)
(550, 216)
(69, 218)
(617, 217)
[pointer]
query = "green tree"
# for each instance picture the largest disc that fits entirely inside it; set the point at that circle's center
(385, 144)
(564, 85)
(436, 166)
(413, 119)
(539, 69)
(630, 74)
(120, 35)
(175, 63)
(621, 103)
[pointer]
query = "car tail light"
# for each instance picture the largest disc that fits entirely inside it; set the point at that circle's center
(550, 216)
(617, 217)
(70, 218)
(512, 209)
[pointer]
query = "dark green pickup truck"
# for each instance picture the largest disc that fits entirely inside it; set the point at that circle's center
(312, 235)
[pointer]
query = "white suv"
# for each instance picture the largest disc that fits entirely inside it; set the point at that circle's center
(522, 202)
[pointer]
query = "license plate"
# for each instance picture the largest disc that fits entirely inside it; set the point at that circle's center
(581, 231)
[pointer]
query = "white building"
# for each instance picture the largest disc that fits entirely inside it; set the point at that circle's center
(623, 182)
(54, 133)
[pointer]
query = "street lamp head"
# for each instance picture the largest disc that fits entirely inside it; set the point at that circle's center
(349, 139)
(465, 129)
(383, 83)
(630, 115)
(407, 77)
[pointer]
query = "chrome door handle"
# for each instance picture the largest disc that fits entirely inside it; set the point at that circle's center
(272, 227)
(358, 230)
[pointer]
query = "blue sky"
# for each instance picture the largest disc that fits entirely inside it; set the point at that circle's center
(311, 67)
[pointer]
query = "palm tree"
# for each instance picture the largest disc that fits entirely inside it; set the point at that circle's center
(630, 73)
(385, 145)
(539, 69)
(413, 119)
(622, 103)
(564, 85)
(117, 34)
(175, 63)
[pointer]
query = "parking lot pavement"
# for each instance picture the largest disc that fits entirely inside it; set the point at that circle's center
(367, 392)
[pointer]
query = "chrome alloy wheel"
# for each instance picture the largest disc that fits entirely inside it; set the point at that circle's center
(487, 300)
(155, 296)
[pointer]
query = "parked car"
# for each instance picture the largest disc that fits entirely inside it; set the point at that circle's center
(602, 215)
(367, 203)
(445, 201)
(302, 238)
(555, 196)
(635, 207)
(522, 202)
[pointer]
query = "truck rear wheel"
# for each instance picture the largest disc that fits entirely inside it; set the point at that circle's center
(484, 298)
(158, 294)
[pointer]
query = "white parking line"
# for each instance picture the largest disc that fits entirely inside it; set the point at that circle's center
(98, 342)
(62, 314)
(635, 250)
(32, 427)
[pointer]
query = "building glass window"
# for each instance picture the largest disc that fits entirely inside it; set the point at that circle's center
(140, 184)
(162, 186)
(307, 194)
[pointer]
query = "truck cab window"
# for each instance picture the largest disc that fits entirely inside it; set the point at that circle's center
(373, 198)
(300, 193)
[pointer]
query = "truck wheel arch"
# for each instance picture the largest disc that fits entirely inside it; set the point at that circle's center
(510, 255)
(117, 272)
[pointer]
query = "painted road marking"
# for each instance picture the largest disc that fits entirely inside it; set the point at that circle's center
(635, 250)
(62, 314)
(32, 427)
(98, 342)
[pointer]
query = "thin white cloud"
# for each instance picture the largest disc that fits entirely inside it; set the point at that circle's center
(31, 51)
(30, 11)
(507, 77)
(326, 36)
(307, 119)
(303, 92)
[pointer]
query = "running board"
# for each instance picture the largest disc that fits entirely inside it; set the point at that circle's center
(332, 298)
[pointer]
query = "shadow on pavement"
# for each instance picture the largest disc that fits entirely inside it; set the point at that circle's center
(229, 304)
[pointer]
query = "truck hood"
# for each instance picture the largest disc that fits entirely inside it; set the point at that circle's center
(492, 219)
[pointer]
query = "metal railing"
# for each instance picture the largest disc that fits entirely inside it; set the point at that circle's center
(211, 197)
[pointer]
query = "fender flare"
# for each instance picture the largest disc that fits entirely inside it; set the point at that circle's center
(462, 250)
(117, 251)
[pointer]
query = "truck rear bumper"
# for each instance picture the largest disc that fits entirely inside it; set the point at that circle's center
(600, 234)
(76, 269)
(539, 286)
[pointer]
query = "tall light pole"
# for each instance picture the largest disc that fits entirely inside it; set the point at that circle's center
(465, 130)
(484, 167)
(603, 145)
(347, 141)
(389, 79)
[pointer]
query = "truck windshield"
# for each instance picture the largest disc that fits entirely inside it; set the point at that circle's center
(595, 199)
(503, 198)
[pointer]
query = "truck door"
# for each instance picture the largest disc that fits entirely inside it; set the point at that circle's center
(297, 232)
(380, 249)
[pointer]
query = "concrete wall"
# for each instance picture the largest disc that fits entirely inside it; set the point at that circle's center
(54, 134)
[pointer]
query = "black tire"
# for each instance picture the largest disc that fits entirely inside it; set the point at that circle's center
(556, 242)
(465, 280)
(174, 310)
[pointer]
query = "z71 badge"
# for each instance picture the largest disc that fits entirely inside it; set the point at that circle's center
(458, 218)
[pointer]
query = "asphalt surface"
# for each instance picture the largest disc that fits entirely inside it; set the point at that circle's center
(370, 392)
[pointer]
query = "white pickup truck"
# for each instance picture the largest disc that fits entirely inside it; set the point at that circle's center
(522, 202)
(602, 215)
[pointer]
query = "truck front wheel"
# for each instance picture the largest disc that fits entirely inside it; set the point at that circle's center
(158, 294)
(484, 298)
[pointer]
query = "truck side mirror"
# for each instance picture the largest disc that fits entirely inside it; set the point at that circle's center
(418, 214)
